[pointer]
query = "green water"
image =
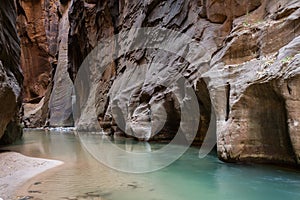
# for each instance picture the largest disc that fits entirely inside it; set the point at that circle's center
(189, 178)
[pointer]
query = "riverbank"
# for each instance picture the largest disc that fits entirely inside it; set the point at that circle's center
(16, 169)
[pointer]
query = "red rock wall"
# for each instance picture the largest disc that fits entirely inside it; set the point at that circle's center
(36, 57)
(39, 30)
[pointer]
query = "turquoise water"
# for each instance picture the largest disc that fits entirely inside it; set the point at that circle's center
(189, 178)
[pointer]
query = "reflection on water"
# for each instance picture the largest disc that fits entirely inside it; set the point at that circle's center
(188, 178)
(129, 155)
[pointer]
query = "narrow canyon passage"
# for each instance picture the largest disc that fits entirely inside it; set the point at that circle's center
(156, 99)
(122, 78)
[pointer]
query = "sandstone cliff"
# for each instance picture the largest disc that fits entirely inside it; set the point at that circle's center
(250, 67)
(43, 55)
(10, 74)
(247, 78)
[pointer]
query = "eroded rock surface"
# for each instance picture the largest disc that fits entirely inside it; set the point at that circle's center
(250, 65)
(10, 74)
(36, 55)
(240, 57)
(43, 29)
(153, 106)
(60, 100)
(259, 66)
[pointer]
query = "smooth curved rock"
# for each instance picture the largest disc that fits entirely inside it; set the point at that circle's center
(60, 103)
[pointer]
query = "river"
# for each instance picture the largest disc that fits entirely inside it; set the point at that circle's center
(188, 178)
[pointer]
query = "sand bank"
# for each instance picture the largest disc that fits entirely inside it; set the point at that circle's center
(16, 169)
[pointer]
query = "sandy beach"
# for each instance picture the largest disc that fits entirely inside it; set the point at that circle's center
(16, 169)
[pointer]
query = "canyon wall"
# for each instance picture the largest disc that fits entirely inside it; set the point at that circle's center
(60, 104)
(10, 74)
(240, 57)
(260, 65)
(248, 73)
(43, 55)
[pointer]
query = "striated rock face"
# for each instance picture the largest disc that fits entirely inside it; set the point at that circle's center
(133, 78)
(241, 59)
(250, 65)
(38, 29)
(37, 55)
(60, 101)
(43, 29)
(10, 74)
